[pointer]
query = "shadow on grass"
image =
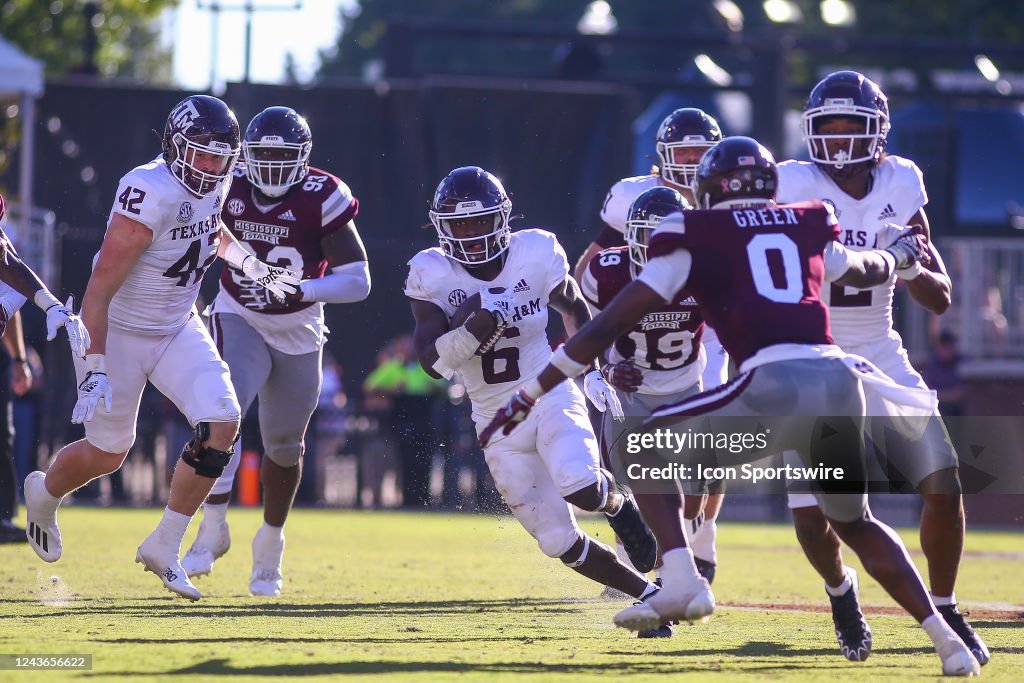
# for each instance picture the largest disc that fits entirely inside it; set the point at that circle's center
(170, 607)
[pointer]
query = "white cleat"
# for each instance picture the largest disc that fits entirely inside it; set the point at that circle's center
(267, 551)
(957, 659)
(691, 601)
(211, 543)
(164, 562)
(42, 530)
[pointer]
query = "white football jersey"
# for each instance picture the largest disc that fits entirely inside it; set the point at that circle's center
(621, 197)
(159, 294)
(535, 265)
(859, 316)
(10, 299)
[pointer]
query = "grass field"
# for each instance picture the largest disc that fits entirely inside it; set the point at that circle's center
(402, 597)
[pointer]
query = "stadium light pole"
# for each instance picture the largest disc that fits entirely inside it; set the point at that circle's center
(249, 8)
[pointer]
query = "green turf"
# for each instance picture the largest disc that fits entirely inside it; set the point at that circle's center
(399, 597)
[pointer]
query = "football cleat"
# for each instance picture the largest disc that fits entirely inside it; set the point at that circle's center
(164, 562)
(705, 569)
(610, 593)
(212, 542)
(957, 659)
(267, 550)
(42, 531)
(852, 631)
(664, 631)
(636, 538)
(957, 621)
(690, 600)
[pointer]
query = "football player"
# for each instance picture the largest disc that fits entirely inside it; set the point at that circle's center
(552, 462)
(299, 217)
(164, 231)
(845, 122)
(682, 138)
(755, 270)
(659, 360)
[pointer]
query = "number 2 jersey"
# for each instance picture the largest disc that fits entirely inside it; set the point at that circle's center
(756, 273)
(159, 294)
(897, 192)
(535, 265)
(287, 233)
(665, 344)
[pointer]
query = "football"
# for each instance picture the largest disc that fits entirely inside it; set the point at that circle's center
(467, 308)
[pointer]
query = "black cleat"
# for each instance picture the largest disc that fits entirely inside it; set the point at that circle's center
(663, 631)
(11, 534)
(852, 631)
(636, 538)
(705, 569)
(958, 622)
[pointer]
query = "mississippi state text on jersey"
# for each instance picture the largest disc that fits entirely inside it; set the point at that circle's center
(159, 293)
(287, 233)
(756, 273)
(897, 192)
(665, 344)
(536, 264)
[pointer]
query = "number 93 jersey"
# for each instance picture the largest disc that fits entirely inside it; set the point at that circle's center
(665, 344)
(536, 264)
(897, 192)
(160, 292)
(287, 233)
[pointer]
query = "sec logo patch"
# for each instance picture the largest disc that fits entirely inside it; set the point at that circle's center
(236, 206)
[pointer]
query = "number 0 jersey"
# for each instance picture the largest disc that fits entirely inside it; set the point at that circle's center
(665, 344)
(536, 264)
(756, 274)
(159, 294)
(287, 233)
(859, 316)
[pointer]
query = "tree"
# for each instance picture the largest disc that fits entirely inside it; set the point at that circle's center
(60, 33)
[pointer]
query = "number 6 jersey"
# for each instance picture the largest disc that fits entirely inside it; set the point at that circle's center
(536, 264)
(160, 292)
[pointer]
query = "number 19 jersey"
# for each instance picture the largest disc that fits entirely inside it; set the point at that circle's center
(159, 294)
(536, 264)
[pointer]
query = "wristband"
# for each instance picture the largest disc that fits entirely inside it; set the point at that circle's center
(911, 272)
(889, 259)
(566, 365)
(45, 300)
(235, 255)
(532, 390)
(96, 362)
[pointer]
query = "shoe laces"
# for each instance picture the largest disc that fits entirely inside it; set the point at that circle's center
(847, 616)
(957, 620)
(267, 575)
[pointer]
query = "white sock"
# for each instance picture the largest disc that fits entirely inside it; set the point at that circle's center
(942, 602)
(651, 588)
(678, 564)
(703, 541)
(941, 634)
(270, 531)
(172, 527)
(215, 513)
(47, 503)
(845, 585)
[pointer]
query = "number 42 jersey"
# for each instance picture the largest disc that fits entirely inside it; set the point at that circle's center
(535, 265)
(159, 294)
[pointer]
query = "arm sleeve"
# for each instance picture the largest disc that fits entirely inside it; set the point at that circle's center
(667, 274)
(837, 260)
(344, 284)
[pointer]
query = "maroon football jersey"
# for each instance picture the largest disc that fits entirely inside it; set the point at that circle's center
(757, 273)
(666, 339)
(288, 234)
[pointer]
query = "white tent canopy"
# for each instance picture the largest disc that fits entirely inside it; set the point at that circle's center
(22, 76)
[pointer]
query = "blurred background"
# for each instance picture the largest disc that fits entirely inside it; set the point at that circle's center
(559, 98)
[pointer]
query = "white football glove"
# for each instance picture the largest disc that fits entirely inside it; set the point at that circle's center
(602, 395)
(94, 388)
(499, 303)
(58, 316)
(909, 249)
(888, 236)
(279, 281)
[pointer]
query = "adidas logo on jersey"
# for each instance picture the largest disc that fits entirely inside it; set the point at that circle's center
(521, 286)
(287, 216)
(887, 212)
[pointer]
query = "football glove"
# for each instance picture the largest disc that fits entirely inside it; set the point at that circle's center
(93, 389)
(280, 281)
(602, 395)
(58, 316)
(515, 411)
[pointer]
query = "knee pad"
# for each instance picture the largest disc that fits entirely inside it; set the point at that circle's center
(557, 540)
(206, 461)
